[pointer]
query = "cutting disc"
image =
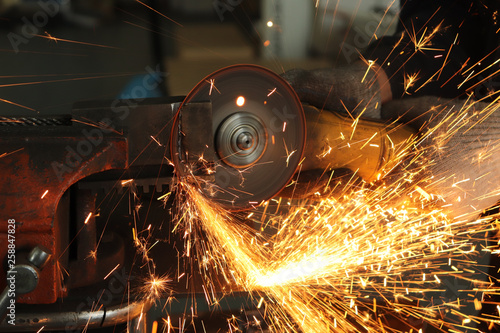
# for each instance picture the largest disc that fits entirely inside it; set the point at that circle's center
(258, 127)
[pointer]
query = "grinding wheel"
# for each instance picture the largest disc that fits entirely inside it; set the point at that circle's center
(259, 133)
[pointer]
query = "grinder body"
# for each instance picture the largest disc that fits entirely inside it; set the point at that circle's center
(369, 148)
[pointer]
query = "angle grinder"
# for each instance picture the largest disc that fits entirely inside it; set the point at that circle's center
(259, 128)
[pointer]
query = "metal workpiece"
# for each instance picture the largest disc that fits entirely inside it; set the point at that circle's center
(145, 124)
(76, 320)
(195, 144)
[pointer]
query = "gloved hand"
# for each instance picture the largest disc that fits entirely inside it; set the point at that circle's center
(354, 89)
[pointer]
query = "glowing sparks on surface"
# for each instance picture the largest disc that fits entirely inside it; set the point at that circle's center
(354, 262)
(156, 287)
(423, 42)
(356, 255)
(409, 81)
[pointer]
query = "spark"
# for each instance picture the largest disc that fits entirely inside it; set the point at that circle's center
(371, 63)
(260, 302)
(100, 124)
(409, 81)
(423, 193)
(159, 13)
(164, 197)
(126, 182)
(155, 287)
(345, 262)
(44, 194)
(139, 321)
(447, 55)
(48, 36)
(88, 218)
(92, 254)
(288, 153)
(111, 272)
(156, 140)
(169, 324)
(63, 80)
(212, 86)
(423, 43)
(41, 329)
(368, 141)
(17, 104)
(271, 92)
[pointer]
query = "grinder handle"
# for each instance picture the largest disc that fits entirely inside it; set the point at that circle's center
(369, 148)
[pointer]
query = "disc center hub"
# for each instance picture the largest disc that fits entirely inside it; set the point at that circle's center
(244, 141)
(241, 139)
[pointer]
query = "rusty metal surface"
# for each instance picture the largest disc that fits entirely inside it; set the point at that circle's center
(100, 142)
(40, 161)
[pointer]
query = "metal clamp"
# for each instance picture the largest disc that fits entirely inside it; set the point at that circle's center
(24, 277)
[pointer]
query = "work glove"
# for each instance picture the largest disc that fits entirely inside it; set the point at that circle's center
(353, 89)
